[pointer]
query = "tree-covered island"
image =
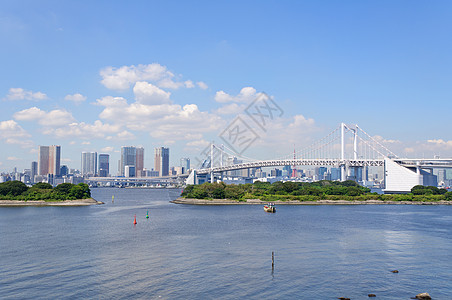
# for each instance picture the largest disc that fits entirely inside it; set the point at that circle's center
(303, 191)
(18, 191)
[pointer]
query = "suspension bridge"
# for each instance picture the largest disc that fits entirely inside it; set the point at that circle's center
(347, 147)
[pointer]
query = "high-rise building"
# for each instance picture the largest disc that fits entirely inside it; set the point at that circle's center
(64, 170)
(442, 175)
(129, 171)
(128, 158)
(89, 163)
(33, 171)
(104, 165)
(139, 166)
(161, 160)
(43, 160)
(335, 173)
(185, 164)
(49, 160)
(54, 160)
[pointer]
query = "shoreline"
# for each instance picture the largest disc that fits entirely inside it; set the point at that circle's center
(192, 201)
(78, 202)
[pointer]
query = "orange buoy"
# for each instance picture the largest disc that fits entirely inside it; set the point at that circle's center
(135, 220)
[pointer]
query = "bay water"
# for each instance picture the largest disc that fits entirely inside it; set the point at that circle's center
(223, 252)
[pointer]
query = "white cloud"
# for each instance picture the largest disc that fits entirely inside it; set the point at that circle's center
(56, 117)
(199, 143)
(231, 109)
(189, 84)
(21, 94)
(111, 101)
(146, 93)
(246, 95)
(12, 133)
(125, 135)
(202, 85)
(107, 149)
(170, 122)
(286, 132)
(12, 158)
(440, 143)
(76, 98)
(169, 83)
(83, 130)
(382, 140)
(86, 143)
(122, 78)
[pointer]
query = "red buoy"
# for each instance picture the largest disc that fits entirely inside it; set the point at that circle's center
(135, 220)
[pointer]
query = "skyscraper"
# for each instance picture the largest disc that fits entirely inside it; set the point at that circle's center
(161, 160)
(104, 165)
(49, 160)
(33, 171)
(89, 163)
(43, 160)
(128, 158)
(185, 163)
(139, 166)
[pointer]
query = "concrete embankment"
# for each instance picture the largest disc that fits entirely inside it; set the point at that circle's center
(192, 201)
(78, 202)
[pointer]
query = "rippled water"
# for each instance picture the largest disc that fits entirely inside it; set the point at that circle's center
(222, 252)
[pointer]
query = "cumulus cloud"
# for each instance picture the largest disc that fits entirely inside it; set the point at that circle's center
(247, 94)
(21, 94)
(202, 85)
(107, 149)
(382, 140)
(122, 78)
(12, 133)
(231, 109)
(146, 93)
(84, 131)
(296, 130)
(56, 117)
(440, 143)
(76, 98)
(162, 121)
(189, 84)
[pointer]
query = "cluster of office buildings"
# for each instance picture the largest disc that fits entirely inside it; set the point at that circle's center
(48, 168)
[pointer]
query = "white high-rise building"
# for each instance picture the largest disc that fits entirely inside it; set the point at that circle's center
(89, 163)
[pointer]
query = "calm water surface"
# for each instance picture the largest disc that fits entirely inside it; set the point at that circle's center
(222, 252)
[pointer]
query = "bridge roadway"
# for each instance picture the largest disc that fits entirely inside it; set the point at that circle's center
(296, 162)
(406, 162)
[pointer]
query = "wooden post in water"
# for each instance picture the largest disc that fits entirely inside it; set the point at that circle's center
(273, 261)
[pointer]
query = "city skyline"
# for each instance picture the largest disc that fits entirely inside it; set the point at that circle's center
(107, 84)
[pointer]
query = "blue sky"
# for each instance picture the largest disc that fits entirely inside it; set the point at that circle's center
(98, 75)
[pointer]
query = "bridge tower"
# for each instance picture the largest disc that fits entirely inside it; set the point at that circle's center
(294, 167)
(343, 166)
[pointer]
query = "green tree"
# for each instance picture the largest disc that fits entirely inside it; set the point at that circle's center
(43, 186)
(63, 188)
(13, 188)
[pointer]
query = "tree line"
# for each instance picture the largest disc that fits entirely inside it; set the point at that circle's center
(304, 191)
(17, 190)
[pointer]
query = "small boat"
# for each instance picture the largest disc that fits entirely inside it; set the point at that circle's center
(270, 208)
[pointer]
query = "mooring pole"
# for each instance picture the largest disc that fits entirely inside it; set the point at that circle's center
(273, 261)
